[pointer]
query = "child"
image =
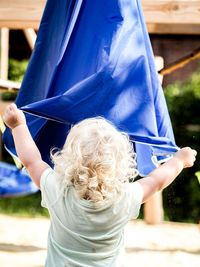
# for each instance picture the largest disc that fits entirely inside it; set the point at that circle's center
(87, 194)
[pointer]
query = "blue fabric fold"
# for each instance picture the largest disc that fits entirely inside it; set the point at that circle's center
(15, 182)
(94, 58)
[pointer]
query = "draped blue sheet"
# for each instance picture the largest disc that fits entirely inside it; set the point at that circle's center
(15, 182)
(94, 58)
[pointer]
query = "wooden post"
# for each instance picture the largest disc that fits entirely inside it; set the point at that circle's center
(1, 146)
(30, 36)
(159, 61)
(153, 208)
(4, 50)
(4, 53)
(1, 131)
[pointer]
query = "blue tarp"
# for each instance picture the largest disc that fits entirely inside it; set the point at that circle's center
(15, 182)
(94, 58)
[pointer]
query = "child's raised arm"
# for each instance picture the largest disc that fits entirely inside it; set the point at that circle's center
(26, 148)
(164, 175)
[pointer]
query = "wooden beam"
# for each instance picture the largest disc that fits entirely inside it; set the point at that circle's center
(30, 37)
(159, 62)
(172, 12)
(153, 208)
(2, 128)
(20, 24)
(180, 29)
(1, 147)
(172, 17)
(4, 53)
(21, 14)
(180, 63)
(6, 84)
(162, 16)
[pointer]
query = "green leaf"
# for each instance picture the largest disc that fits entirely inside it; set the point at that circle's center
(198, 175)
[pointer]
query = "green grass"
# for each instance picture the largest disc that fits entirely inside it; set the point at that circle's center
(27, 206)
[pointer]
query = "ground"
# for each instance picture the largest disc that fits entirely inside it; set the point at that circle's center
(23, 243)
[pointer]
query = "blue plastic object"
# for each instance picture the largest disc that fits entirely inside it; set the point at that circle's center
(94, 58)
(15, 182)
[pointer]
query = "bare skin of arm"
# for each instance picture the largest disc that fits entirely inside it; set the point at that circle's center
(164, 175)
(26, 148)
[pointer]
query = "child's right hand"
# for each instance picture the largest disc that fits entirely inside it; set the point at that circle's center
(187, 156)
(13, 117)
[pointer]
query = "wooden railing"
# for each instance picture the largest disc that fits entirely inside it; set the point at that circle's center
(172, 17)
(162, 16)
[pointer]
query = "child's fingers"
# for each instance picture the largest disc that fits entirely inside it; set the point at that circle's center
(10, 115)
(13, 108)
(8, 109)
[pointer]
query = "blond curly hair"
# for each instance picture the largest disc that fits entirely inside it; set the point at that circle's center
(96, 159)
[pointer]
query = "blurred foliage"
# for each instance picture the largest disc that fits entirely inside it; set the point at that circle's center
(16, 72)
(182, 198)
(198, 175)
(9, 95)
(17, 69)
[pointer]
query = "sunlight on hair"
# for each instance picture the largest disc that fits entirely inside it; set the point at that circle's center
(96, 159)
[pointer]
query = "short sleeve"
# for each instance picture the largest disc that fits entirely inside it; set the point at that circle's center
(135, 197)
(48, 188)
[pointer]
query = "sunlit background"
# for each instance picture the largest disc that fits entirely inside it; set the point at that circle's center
(174, 29)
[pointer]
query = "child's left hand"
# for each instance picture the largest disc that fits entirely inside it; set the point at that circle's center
(13, 117)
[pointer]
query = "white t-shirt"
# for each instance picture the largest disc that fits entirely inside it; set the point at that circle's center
(83, 234)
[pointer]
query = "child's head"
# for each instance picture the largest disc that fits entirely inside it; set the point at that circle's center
(96, 159)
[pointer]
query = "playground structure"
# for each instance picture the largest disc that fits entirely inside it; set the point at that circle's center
(162, 17)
